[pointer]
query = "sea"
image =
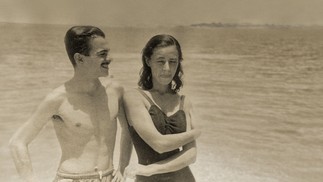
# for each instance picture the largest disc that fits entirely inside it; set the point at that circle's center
(257, 95)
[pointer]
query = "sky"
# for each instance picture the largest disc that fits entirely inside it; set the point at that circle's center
(162, 12)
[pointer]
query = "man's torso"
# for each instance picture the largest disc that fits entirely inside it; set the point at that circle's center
(86, 127)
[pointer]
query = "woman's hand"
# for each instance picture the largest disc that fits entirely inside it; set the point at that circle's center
(136, 169)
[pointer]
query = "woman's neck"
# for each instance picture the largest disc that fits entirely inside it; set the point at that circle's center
(161, 89)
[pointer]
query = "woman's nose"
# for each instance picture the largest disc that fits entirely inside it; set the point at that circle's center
(166, 66)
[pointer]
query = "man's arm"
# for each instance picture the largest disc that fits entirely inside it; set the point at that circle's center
(125, 142)
(18, 144)
(140, 119)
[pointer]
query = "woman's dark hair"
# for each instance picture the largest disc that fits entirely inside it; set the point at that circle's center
(77, 40)
(145, 81)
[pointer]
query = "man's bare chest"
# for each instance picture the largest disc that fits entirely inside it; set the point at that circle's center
(89, 113)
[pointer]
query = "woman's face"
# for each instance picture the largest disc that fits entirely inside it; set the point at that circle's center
(163, 63)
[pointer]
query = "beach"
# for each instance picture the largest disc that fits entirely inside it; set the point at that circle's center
(257, 95)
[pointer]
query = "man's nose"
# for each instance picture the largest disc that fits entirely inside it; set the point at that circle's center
(109, 59)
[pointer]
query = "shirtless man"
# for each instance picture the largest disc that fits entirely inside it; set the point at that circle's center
(84, 113)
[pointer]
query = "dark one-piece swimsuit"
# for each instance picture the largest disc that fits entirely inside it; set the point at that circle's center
(175, 123)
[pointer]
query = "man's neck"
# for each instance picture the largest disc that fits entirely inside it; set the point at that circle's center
(85, 85)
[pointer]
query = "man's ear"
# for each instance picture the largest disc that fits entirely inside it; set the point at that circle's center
(78, 58)
(147, 61)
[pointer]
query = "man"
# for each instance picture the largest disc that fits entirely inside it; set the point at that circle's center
(84, 114)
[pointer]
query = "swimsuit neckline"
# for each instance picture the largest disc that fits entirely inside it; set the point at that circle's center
(168, 116)
(153, 104)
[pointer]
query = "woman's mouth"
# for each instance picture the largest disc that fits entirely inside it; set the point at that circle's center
(165, 76)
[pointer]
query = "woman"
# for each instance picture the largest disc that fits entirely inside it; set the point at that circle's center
(159, 118)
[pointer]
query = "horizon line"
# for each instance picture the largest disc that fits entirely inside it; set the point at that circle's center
(202, 24)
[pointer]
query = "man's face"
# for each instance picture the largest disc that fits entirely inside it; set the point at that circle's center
(97, 62)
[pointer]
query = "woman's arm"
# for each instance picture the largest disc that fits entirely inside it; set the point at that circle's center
(18, 144)
(176, 162)
(140, 119)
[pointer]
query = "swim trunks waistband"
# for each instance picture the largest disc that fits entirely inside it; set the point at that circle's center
(98, 174)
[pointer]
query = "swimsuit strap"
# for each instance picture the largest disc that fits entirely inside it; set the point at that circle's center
(146, 96)
(182, 102)
(152, 103)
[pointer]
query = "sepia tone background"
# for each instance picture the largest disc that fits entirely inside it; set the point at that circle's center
(252, 68)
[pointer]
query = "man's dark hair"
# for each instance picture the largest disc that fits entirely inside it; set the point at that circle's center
(77, 40)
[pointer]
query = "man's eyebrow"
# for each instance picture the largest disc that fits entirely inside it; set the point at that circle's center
(103, 51)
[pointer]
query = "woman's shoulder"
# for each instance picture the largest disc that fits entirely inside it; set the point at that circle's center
(132, 97)
(187, 104)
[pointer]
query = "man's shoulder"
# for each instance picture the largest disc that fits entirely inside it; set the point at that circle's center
(112, 85)
(131, 91)
(131, 94)
(56, 94)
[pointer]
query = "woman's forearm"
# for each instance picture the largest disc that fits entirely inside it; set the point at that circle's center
(176, 162)
(167, 143)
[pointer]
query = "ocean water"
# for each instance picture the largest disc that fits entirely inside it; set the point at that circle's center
(257, 95)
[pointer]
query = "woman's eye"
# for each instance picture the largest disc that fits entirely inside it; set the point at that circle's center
(160, 61)
(173, 61)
